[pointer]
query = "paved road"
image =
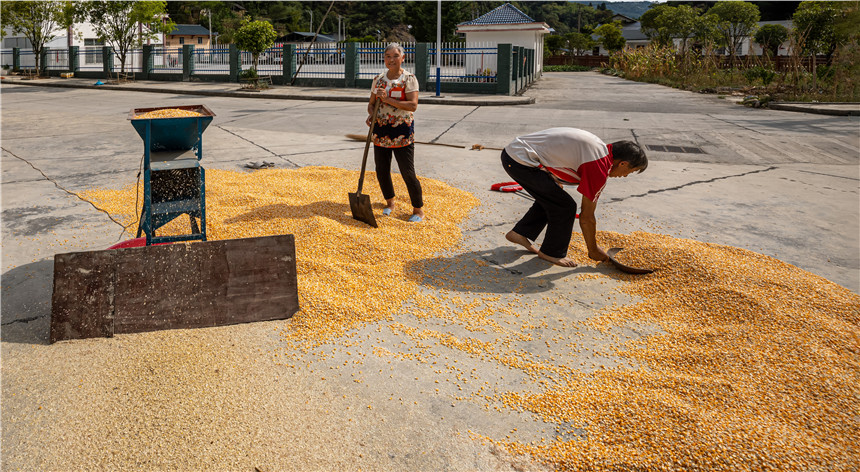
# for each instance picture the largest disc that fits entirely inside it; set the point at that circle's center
(780, 183)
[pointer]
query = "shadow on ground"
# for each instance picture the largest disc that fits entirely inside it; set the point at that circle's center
(504, 269)
(25, 309)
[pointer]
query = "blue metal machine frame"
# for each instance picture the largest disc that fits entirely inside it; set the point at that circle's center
(174, 182)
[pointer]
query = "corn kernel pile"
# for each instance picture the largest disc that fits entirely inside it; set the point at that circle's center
(348, 273)
(758, 369)
(167, 113)
(756, 365)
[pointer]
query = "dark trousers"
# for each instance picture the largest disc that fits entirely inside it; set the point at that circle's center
(406, 162)
(553, 208)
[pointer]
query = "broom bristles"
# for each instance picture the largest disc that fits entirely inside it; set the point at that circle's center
(357, 137)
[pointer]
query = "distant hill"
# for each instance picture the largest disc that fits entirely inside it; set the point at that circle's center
(630, 9)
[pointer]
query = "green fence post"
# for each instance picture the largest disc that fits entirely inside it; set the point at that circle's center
(351, 64)
(521, 55)
(16, 58)
(43, 61)
(422, 64)
(147, 60)
(530, 64)
(74, 59)
(285, 66)
(503, 72)
(187, 61)
(236, 63)
(289, 62)
(534, 72)
(107, 61)
(515, 75)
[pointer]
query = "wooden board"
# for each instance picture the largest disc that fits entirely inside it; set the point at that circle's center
(183, 285)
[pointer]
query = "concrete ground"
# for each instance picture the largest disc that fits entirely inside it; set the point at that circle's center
(781, 183)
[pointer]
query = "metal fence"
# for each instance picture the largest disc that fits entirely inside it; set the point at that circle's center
(211, 61)
(90, 58)
(322, 60)
(166, 60)
(133, 62)
(27, 59)
(474, 62)
(372, 59)
(57, 59)
(270, 61)
(465, 62)
(6, 58)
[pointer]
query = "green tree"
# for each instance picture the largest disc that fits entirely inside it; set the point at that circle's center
(255, 37)
(610, 36)
(39, 22)
(579, 43)
(553, 43)
(664, 23)
(770, 37)
(653, 24)
(736, 21)
(422, 17)
(815, 23)
(681, 22)
(125, 25)
(705, 31)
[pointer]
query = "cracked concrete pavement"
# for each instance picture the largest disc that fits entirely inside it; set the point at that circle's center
(779, 183)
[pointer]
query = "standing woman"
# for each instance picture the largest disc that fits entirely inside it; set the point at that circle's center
(394, 132)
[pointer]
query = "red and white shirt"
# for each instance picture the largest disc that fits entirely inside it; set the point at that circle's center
(571, 155)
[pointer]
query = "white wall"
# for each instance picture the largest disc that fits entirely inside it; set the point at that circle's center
(527, 39)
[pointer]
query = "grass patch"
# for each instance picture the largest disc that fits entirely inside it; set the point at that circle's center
(567, 68)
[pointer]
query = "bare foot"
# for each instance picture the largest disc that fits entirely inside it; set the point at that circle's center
(564, 261)
(523, 241)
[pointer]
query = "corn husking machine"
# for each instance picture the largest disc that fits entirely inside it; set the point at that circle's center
(174, 182)
(173, 280)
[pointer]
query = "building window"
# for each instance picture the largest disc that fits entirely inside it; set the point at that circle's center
(200, 40)
(181, 40)
(92, 51)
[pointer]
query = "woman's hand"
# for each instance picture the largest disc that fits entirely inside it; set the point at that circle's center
(381, 94)
(368, 121)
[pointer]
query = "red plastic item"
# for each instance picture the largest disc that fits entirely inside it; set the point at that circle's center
(510, 188)
(136, 242)
(501, 184)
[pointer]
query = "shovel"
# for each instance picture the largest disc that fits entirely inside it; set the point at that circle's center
(625, 268)
(358, 203)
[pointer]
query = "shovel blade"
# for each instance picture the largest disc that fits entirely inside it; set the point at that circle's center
(361, 211)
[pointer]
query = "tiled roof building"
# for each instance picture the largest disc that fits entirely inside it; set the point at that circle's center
(505, 14)
(505, 25)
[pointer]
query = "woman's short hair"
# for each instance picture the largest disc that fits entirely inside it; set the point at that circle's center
(631, 153)
(394, 46)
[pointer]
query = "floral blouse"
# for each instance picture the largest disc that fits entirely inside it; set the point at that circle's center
(394, 127)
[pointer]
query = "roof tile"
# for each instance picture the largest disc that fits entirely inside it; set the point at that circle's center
(503, 15)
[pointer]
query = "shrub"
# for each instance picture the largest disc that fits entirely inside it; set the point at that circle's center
(567, 68)
(758, 73)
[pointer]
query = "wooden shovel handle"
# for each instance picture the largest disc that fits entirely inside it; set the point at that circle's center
(367, 144)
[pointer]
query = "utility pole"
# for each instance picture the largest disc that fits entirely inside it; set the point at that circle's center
(311, 27)
(209, 14)
(438, 46)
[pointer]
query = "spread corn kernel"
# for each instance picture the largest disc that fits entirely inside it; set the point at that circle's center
(753, 364)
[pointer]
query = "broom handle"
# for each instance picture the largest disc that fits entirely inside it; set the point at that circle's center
(367, 145)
